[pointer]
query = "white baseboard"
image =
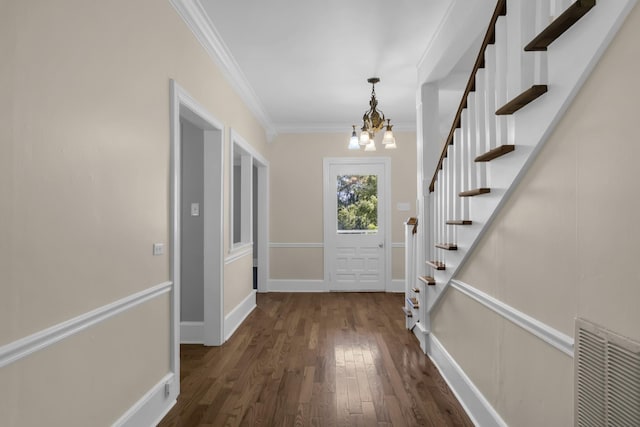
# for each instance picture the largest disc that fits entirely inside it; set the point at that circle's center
(151, 408)
(191, 332)
(423, 336)
(297, 286)
(471, 399)
(397, 285)
(235, 318)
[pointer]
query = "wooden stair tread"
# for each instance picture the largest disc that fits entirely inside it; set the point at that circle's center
(459, 222)
(521, 100)
(416, 290)
(407, 312)
(447, 246)
(413, 302)
(489, 38)
(559, 25)
(428, 280)
(495, 153)
(474, 192)
(438, 265)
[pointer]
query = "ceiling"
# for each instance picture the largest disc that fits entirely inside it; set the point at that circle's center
(308, 61)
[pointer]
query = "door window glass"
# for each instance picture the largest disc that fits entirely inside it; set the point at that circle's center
(357, 204)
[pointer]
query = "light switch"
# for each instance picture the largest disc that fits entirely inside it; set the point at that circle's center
(195, 209)
(403, 206)
(158, 249)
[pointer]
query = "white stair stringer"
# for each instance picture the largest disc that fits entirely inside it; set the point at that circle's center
(570, 60)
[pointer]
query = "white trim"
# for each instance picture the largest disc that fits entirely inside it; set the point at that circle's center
(285, 285)
(183, 105)
(203, 29)
(23, 347)
(396, 285)
(296, 245)
(262, 167)
(472, 400)
(191, 332)
(235, 318)
(546, 333)
(293, 128)
(239, 252)
(151, 408)
(397, 245)
(235, 137)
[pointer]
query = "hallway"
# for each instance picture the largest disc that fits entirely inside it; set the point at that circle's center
(315, 359)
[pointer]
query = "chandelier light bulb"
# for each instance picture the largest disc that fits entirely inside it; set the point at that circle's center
(364, 137)
(371, 146)
(389, 140)
(353, 142)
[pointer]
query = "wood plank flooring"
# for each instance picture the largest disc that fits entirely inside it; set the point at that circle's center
(328, 359)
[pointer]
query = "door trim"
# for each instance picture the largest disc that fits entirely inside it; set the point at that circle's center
(182, 104)
(262, 166)
(327, 230)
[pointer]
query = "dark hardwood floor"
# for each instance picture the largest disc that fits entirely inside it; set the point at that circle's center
(329, 359)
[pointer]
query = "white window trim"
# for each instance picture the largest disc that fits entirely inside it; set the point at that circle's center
(250, 155)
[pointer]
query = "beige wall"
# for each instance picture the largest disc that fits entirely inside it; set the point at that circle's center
(84, 185)
(297, 192)
(563, 246)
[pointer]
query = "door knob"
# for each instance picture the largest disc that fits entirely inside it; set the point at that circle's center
(380, 245)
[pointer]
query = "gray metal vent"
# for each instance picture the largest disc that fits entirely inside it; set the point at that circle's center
(607, 370)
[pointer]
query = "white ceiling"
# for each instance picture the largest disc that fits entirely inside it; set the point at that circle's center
(308, 61)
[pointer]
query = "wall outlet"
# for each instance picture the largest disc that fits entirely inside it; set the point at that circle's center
(158, 249)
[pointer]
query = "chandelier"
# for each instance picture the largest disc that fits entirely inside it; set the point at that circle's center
(372, 121)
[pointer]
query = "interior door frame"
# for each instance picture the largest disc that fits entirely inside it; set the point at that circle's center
(183, 105)
(262, 222)
(328, 180)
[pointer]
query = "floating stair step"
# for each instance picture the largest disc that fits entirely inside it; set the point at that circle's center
(559, 25)
(447, 246)
(495, 153)
(413, 303)
(474, 192)
(459, 222)
(436, 264)
(416, 290)
(428, 280)
(407, 312)
(521, 100)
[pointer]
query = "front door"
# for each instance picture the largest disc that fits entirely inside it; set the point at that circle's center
(355, 224)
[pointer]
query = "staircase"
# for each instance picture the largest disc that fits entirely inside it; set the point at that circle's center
(534, 58)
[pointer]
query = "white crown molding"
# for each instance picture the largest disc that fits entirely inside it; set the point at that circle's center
(23, 347)
(546, 333)
(292, 128)
(194, 15)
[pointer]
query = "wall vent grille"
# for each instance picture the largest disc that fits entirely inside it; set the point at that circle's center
(607, 371)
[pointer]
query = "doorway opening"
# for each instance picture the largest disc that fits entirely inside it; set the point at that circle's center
(249, 213)
(196, 224)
